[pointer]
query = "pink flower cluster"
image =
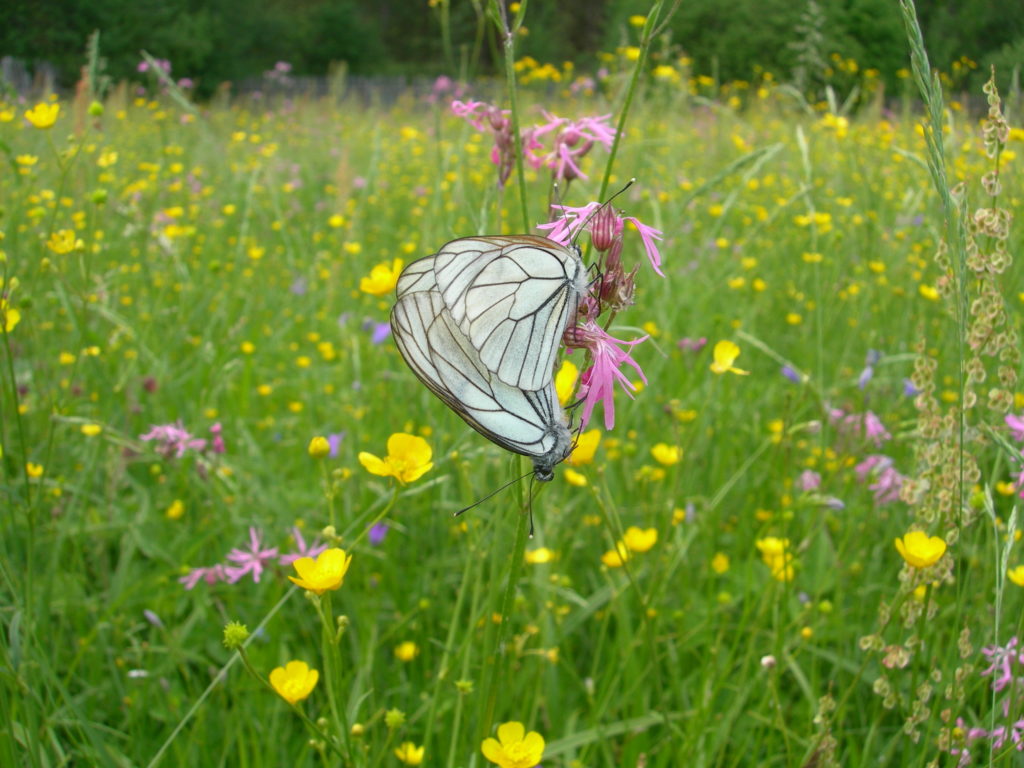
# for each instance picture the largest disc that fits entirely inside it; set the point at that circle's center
(164, 64)
(614, 291)
(1004, 669)
(886, 481)
(570, 140)
(252, 561)
(857, 426)
(173, 441)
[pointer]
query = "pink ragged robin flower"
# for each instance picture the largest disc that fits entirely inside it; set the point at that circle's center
(573, 139)
(301, 550)
(173, 440)
(253, 560)
(487, 117)
(597, 383)
(210, 575)
(1016, 425)
(574, 219)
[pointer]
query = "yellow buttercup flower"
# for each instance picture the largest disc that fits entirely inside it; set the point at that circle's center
(382, 279)
(294, 681)
(725, 355)
(64, 241)
(575, 478)
(1017, 575)
(514, 748)
(667, 455)
(9, 316)
(586, 446)
(640, 540)
(325, 573)
(407, 651)
(176, 510)
(409, 753)
(776, 555)
(565, 381)
(91, 430)
(319, 447)
(539, 556)
(43, 115)
(919, 549)
(614, 558)
(408, 459)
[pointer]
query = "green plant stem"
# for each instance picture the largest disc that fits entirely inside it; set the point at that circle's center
(494, 657)
(641, 62)
(295, 707)
(513, 104)
(332, 669)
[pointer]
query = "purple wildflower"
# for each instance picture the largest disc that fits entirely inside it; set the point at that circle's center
(380, 333)
(791, 373)
(377, 534)
(598, 381)
(865, 377)
(334, 440)
(301, 550)
(253, 560)
(909, 390)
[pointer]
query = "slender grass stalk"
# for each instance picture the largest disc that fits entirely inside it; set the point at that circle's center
(652, 26)
(218, 680)
(495, 658)
(500, 18)
(330, 640)
(954, 211)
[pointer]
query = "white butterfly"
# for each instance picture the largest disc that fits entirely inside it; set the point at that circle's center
(480, 322)
(512, 297)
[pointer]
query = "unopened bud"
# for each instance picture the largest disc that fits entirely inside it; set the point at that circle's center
(604, 227)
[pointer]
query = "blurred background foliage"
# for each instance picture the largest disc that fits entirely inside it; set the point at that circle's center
(212, 41)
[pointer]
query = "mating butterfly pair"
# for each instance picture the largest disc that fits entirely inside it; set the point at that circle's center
(480, 322)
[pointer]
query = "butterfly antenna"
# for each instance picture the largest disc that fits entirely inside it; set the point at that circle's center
(530, 500)
(492, 493)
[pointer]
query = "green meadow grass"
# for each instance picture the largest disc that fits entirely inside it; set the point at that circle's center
(218, 281)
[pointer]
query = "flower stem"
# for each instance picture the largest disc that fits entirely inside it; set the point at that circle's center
(493, 659)
(295, 707)
(508, 35)
(645, 46)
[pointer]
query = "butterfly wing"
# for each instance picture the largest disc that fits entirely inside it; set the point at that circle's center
(530, 423)
(512, 297)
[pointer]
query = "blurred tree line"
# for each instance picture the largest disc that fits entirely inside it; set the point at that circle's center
(211, 41)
